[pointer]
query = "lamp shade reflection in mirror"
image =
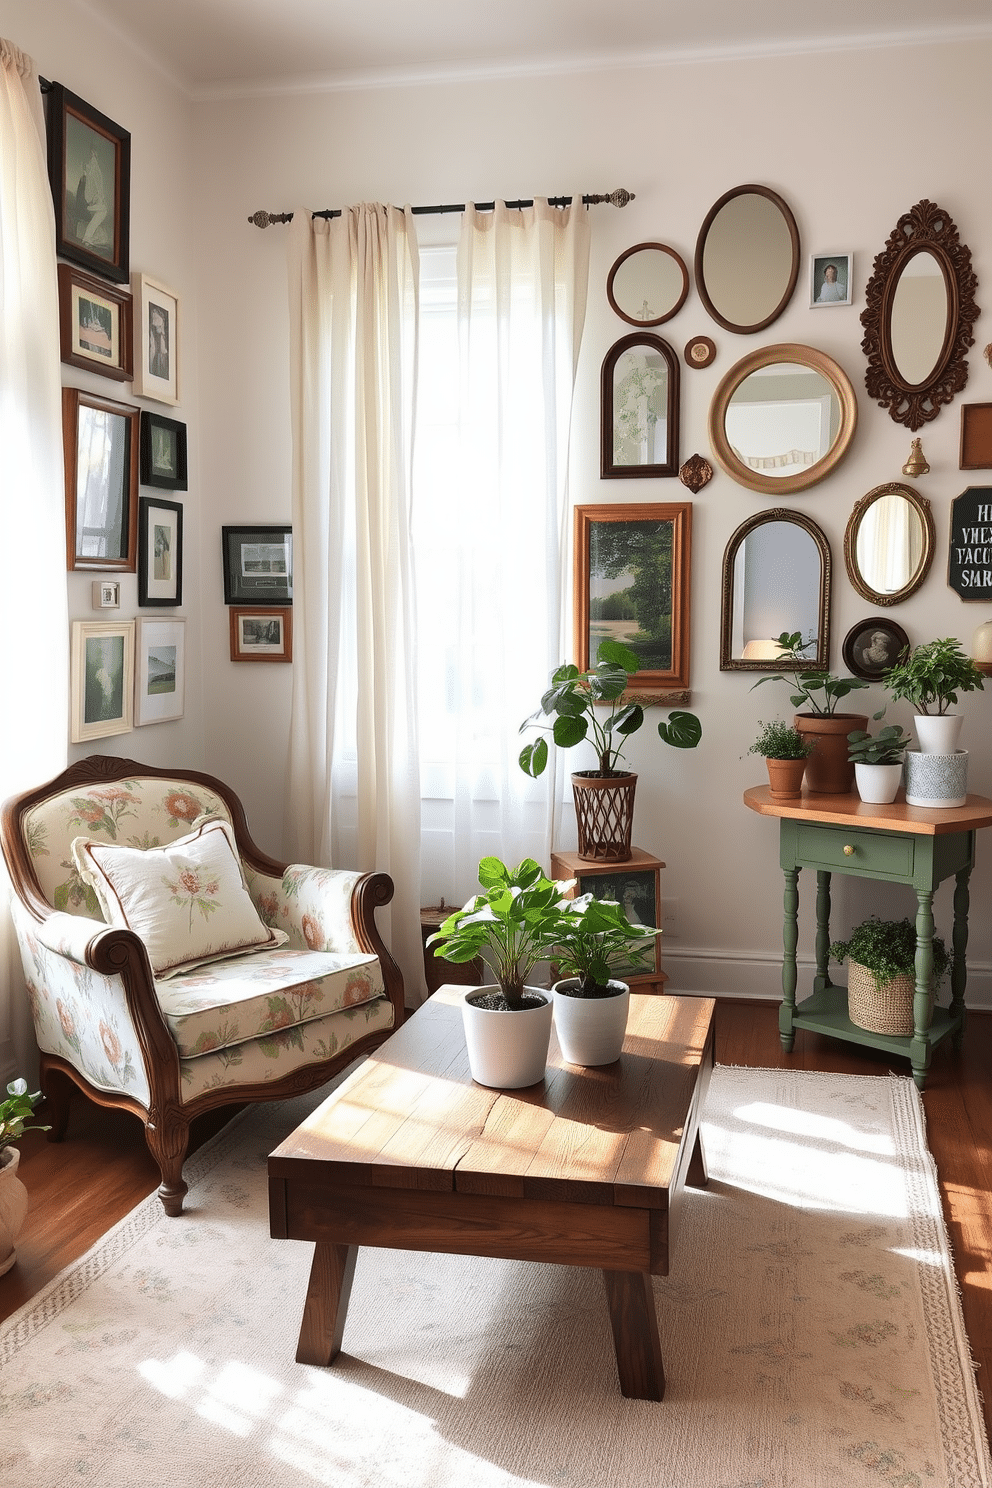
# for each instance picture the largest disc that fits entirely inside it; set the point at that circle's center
(889, 543)
(640, 408)
(648, 284)
(776, 577)
(747, 258)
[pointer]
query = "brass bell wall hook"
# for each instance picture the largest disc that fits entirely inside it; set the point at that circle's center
(916, 464)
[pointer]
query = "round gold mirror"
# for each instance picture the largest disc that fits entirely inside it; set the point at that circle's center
(747, 258)
(889, 543)
(648, 284)
(782, 418)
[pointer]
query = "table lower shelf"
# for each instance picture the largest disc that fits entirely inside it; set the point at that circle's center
(826, 1012)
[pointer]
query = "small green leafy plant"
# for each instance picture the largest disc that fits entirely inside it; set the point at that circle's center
(931, 676)
(808, 683)
(14, 1112)
(887, 948)
(781, 741)
(594, 934)
(887, 747)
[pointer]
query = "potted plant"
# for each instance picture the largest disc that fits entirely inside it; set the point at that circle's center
(878, 760)
(930, 676)
(604, 797)
(785, 752)
(511, 926)
(14, 1113)
(592, 937)
(882, 978)
(817, 694)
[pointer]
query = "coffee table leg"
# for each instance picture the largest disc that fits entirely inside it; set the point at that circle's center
(326, 1307)
(635, 1334)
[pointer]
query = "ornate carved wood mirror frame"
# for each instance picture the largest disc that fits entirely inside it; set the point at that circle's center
(763, 658)
(927, 541)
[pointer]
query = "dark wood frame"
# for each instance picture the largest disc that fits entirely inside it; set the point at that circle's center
(670, 466)
(72, 399)
(658, 686)
(708, 220)
(147, 505)
(149, 477)
(820, 661)
(117, 300)
(708, 351)
(976, 436)
(680, 300)
(873, 622)
(270, 613)
(61, 106)
(232, 540)
(921, 506)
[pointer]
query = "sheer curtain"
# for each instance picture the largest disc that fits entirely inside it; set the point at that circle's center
(34, 664)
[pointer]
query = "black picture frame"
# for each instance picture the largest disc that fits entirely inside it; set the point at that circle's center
(258, 564)
(163, 452)
(160, 551)
(873, 646)
(89, 168)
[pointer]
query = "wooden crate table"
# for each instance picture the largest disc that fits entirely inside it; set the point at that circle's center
(585, 1169)
(918, 846)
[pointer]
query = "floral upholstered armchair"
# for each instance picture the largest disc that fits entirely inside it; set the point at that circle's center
(171, 966)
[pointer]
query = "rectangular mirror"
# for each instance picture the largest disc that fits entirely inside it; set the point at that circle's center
(101, 481)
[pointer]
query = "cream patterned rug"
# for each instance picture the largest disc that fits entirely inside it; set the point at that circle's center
(811, 1331)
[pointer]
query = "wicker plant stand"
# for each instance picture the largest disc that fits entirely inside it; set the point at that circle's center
(604, 814)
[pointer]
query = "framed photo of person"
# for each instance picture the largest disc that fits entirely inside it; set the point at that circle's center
(94, 324)
(831, 277)
(101, 679)
(873, 646)
(159, 671)
(261, 635)
(156, 340)
(163, 452)
(100, 440)
(160, 552)
(89, 167)
(258, 565)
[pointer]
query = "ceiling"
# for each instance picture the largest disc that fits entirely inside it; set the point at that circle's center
(220, 47)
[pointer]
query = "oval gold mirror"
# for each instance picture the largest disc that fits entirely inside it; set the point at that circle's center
(648, 284)
(918, 317)
(747, 259)
(640, 408)
(776, 577)
(889, 543)
(782, 418)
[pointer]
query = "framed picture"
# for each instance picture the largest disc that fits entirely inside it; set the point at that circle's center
(976, 436)
(163, 452)
(873, 646)
(261, 635)
(258, 565)
(156, 340)
(94, 324)
(831, 277)
(106, 594)
(89, 167)
(100, 441)
(159, 671)
(160, 552)
(636, 886)
(101, 678)
(631, 584)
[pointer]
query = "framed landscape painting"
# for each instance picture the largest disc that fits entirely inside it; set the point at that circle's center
(101, 679)
(160, 671)
(94, 324)
(89, 167)
(261, 635)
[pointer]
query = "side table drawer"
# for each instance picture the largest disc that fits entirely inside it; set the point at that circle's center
(849, 848)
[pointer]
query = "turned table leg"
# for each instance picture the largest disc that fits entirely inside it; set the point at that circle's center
(822, 978)
(326, 1306)
(635, 1334)
(920, 1048)
(959, 947)
(790, 975)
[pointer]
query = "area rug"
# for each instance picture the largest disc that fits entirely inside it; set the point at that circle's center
(811, 1330)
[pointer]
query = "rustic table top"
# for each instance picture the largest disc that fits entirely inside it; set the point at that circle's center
(851, 811)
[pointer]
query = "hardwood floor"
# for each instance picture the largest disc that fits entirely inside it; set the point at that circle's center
(83, 1186)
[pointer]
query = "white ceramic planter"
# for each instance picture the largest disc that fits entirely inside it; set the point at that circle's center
(878, 783)
(13, 1206)
(591, 1029)
(938, 734)
(507, 1051)
(939, 780)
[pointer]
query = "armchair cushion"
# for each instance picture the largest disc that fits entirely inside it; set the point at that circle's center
(187, 901)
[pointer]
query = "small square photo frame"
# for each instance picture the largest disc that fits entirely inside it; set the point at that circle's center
(89, 168)
(101, 679)
(258, 565)
(831, 279)
(261, 634)
(160, 551)
(95, 330)
(156, 339)
(159, 671)
(976, 436)
(163, 452)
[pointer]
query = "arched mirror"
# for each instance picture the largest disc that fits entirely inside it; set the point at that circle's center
(782, 418)
(648, 284)
(919, 316)
(889, 543)
(747, 258)
(640, 408)
(776, 577)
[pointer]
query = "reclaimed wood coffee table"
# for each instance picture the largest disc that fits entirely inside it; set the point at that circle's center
(585, 1169)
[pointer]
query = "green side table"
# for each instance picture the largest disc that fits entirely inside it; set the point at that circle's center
(913, 845)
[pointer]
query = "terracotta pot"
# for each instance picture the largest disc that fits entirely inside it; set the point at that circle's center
(785, 778)
(13, 1206)
(604, 814)
(829, 772)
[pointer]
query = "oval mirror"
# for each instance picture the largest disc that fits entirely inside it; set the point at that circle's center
(747, 258)
(889, 543)
(640, 408)
(918, 318)
(776, 577)
(782, 418)
(648, 284)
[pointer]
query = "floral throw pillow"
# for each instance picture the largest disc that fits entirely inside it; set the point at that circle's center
(187, 900)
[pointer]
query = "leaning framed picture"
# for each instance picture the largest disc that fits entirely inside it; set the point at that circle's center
(94, 324)
(261, 634)
(163, 452)
(631, 584)
(160, 552)
(258, 565)
(159, 671)
(101, 672)
(831, 276)
(89, 167)
(100, 443)
(156, 340)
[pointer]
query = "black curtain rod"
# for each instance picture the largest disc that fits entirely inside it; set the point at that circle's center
(618, 198)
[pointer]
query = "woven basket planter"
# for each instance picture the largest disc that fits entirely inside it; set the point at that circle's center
(885, 1009)
(604, 814)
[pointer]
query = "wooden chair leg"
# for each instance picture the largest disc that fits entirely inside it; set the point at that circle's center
(168, 1145)
(57, 1090)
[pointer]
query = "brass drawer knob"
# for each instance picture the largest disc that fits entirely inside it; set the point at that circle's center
(848, 851)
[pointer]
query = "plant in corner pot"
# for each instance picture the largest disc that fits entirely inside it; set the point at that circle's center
(592, 936)
(930, 676)
(817, 693)
(785, 752)
(604, 821)
(877, 760)
(14, 1114)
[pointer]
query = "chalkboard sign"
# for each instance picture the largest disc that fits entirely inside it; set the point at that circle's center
(969, 563)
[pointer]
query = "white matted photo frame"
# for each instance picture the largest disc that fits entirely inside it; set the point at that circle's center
(831, 279)
(156, 339)
(101, 679)
(159, 671)
(95, 329)
(261, 634)
(160, 551)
